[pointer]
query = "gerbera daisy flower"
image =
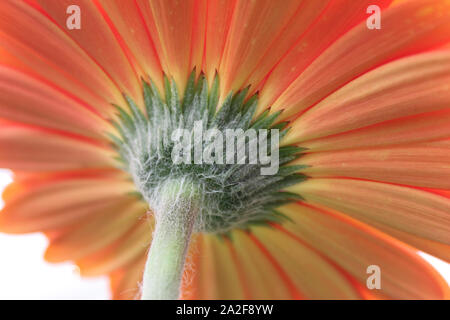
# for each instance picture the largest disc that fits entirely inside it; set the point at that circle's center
(364, 120)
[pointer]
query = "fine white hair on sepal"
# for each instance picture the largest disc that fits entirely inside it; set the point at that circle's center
(228, 195)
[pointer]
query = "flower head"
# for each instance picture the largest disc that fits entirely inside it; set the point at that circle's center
(87, 118)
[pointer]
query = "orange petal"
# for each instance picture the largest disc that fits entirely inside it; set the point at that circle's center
(216, 272)
(263, 279)
(190, 279)
(48, 52)
(421, 213)
(96, 232)
(110, 56)
(260, 27)
(416, 165)
(126, 282)
(59, 200)
(28, 148)
(355, 246)
(434, 248)
(9, 59)
(408, 28)
(222, 270)
(421, 128)
(311, 273)
(206, 273)
(401, 88)
(336, 20)
(218, 21)
(303, 20)
(130, 24)
(29, 100)
(177, 29)
(441, 143)
(131, 246)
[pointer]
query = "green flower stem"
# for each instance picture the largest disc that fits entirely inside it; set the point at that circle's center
(175, 211)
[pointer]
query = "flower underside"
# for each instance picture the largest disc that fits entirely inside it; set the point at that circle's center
(229, 195)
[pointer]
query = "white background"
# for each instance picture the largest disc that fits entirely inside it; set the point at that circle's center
(25, 275)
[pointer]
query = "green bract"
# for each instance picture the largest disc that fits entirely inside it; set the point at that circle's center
(230, 195)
